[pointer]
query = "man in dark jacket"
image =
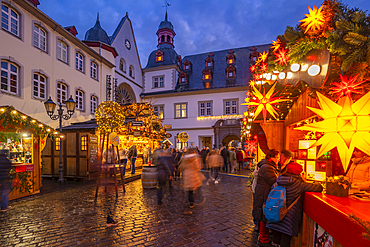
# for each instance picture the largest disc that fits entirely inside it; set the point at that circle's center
(295, 185)
(204, 154)
(226, 156)
(5, 181)
(267, 176)
(132, 155)
(164, 169)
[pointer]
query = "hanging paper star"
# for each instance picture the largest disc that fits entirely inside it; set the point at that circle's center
(314, 19)
(265, 102)
(262, 58)
(346, 126)
(282, 57)
(346, 86)
(256, 77)
(251, 146)
(252, 68)
(276, 45)
(264, 67)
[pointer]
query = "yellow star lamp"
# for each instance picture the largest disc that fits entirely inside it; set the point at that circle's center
(314, 20)
(346, 126)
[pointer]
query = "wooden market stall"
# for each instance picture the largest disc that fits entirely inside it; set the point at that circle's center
(23, 139)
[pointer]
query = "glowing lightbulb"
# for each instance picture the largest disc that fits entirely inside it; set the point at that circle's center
(314, 70)
(294, 67)
(281, 75)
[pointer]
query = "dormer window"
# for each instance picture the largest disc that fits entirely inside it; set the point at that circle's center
(231, 57)
(207, 75)
(230, 71)
(254, 54)
(187, 65)
(209, 62)
(183, 77)
(159, 56)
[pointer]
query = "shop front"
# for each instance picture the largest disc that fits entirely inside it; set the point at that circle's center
(23, 138)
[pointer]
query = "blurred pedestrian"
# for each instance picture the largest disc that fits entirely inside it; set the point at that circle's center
(5, 181)
(204, 154)
(192, 177)
(164, 164)
(214, 162)
(240, 159)
(176, 160)
(132, 155)
(295, 184)
(267, 175)
(232, 159)
(123, 158)
(110, 156)
(226, 156)
(147, 151)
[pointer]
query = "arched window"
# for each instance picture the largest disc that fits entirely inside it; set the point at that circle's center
(168, 38)
(39, 37)
(162, 38)
(94, 101)
(79, 61)
(62, 51)
(39, 86)
(10, 20)
(132, 71)
(122, 65)
(93, 70)
(62, 92)
(159, 56)
(9, 77)
(125, 94)
(80, 100)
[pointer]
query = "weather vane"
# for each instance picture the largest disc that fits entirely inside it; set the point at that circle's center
(166, 5)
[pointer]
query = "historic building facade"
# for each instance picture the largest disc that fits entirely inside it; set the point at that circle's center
(199, 94)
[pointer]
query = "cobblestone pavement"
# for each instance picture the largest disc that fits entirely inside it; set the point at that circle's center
(70, 216)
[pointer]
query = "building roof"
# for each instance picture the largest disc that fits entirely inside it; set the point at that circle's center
(97, 33)
(165, 23)
(111, 38)
(169, 57)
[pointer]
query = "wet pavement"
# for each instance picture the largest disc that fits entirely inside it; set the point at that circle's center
(69, 215)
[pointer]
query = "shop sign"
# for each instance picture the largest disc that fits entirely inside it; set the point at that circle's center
(24, 168)
(167, 126)
(137, 133)
(169, 135)
(137, 123)
(30, 167)
(93, 139)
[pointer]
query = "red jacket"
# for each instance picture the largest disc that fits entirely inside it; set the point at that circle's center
(239, 155)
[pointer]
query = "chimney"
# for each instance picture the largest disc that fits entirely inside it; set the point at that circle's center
(72, 30)
(34, 2)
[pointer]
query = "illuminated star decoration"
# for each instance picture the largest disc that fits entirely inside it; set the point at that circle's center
(276, 45)
(346, 86)
(314, 19)
(281, 56)
(264, 67)
(265, 102)
(251, 146)
(256, 77)
(262, 58)
(252, 68)
(346, 126)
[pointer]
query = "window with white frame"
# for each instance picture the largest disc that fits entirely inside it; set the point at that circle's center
(205, 108)
(79, 61)
(9, 77)
(231, 106)
(158, 110)
(62, 51)
(62, 90)
(94, 70)
(9, 20)
(39, 86)
(39, 37)
(80, 100)
(93, 104)
(181, 110)
(158, 81)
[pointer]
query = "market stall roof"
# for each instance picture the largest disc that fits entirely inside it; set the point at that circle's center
(13, 120)
(90, 124)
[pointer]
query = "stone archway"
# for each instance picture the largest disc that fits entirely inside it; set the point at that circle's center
(227, 139)
(125, 94)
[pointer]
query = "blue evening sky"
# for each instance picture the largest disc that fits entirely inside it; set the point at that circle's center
(200, 25)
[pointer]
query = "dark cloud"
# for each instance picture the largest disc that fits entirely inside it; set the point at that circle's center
(201, 26)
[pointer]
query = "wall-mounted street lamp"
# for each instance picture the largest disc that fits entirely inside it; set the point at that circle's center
(50, 108)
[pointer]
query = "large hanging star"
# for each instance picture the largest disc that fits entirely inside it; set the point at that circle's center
(314, 19)
(263, 67)
(346, 86)
(265, 102)
(276, 45)
(251, 146)
(252, 68)
(281, 56)
(262, 58)
(346, 126)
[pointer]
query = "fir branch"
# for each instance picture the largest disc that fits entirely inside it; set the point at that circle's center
(354, 38)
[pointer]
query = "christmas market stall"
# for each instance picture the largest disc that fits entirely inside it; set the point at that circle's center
(23, 138)
(311, 94)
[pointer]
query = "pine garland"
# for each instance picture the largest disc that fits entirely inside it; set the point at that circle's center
(363, 223)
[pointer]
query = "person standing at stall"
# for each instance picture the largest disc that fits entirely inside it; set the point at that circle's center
(359, 172)
(5, 181)
(146, 154)
(267, 175)
(295, 184)
(132, 155)
(110, 155)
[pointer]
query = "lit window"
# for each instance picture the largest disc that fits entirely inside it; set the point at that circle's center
(9, 77)
(158, 81)
(93, 104)
(79, 100)
(230, 60)
(62, 51)
(83, 143)
(57, 144)
(79, 61)
(9, 20)
(93, 70)
(39, 86)
(205, 108)
(206, 77)
(159, 55)
(39, 38)
(158, 110)
(181, 110)
(231, 106)
(61, 92)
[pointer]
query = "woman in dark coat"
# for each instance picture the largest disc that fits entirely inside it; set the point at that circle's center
(5, 181)
(164, 164)
(267, 176)
(295, 185)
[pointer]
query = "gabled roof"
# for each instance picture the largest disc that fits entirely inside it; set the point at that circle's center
(120, 24)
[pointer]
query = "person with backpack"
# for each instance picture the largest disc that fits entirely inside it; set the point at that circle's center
(267, 175)
(295, 185)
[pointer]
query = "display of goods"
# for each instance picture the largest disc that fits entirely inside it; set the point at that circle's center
(338, 186)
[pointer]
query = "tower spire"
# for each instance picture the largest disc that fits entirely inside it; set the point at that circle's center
(166, 5)
(97, 18)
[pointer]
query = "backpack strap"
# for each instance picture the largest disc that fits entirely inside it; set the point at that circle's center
(291, 205)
